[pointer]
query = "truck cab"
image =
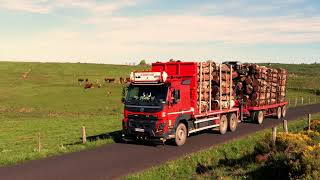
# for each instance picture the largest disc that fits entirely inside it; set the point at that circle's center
(157, 100)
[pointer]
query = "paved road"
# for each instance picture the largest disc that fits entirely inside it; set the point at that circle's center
(113, 161)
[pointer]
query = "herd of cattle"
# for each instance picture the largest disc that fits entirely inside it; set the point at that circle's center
(87, 84)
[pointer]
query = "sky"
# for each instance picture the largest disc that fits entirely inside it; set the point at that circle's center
(127, 31)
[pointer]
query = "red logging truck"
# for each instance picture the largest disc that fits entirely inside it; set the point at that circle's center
(175, 99)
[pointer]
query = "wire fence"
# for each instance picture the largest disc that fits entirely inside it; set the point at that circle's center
(52, 141)
(297, 101)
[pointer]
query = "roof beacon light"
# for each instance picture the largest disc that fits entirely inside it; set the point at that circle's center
(164, 76)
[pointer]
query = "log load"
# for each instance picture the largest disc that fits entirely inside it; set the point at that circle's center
(215, 90)
(259, 85)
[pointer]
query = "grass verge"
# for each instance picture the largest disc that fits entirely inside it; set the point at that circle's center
(213, 160)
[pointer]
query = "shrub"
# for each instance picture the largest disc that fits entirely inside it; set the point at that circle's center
(295, 156)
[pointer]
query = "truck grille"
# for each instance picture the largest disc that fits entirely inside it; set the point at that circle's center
(141, 123)
(142, 116)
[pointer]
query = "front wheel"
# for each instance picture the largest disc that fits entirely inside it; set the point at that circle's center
(181, 135)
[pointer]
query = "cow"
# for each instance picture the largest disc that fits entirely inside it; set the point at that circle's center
(98, 84)
(88, 85)
(109, 80)
(121, 80)
(80, 81)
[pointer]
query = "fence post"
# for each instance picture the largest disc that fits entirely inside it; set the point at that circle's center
(296, 102)
(301, 100)
(84, 135)
(309, 100)
(309, 122)
(285, 126)
(39, 142)
(274, 136)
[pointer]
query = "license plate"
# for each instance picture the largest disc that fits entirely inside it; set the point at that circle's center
(139, 130)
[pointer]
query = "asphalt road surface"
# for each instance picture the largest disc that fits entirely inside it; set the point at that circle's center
(116, 160)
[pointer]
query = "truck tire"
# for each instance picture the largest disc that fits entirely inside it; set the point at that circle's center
(223, 126)
(181, 134)
(283, 111)
(258, 117)
(232, 122)
(279, 112)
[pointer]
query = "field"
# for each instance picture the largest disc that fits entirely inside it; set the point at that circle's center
(49, 101)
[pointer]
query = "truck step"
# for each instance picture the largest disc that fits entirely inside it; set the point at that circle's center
(204, 120)
(207, 127)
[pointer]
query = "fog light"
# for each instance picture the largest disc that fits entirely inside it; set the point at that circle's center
(161, 127)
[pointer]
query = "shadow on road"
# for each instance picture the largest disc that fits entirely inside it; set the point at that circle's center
(115, 136)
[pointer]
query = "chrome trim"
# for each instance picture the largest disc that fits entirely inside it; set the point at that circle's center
(207, 127)
(204, 120)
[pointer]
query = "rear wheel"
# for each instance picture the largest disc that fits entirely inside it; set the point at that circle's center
(181, 134)
(284, 111)
(279, 111)
(223, 124)
(232, 122)
(258, 117)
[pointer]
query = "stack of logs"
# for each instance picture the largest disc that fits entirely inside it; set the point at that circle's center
(209, 76)
(258, 85)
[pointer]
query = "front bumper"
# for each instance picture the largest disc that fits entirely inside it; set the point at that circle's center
(145, 129)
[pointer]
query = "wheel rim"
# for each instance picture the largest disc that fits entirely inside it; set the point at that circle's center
(233, 122)
(180, 134)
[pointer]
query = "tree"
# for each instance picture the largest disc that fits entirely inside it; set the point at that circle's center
(142, 62)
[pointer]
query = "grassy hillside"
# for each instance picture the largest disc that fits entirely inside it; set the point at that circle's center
(301, 75)
(50, 101)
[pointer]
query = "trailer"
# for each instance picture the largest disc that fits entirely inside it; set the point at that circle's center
(175, 99)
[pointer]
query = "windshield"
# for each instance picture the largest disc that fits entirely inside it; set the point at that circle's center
(153, 95)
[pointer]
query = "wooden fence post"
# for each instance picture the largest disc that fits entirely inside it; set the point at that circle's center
(84, 135)
(301, 100)
(296, 102)
(274, 136)
(285, 126)
(309, 122)
(39, 142)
